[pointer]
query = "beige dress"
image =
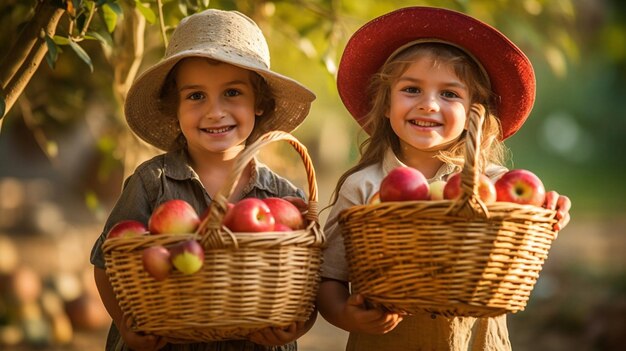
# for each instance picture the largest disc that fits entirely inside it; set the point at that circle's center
(421, 331)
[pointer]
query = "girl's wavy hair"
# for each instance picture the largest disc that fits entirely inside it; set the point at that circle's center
(263, 99)
(373, 149)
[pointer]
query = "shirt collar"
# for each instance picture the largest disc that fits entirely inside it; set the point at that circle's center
(177, 165)
(392, 161)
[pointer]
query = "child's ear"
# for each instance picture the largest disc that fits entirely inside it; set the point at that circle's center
(258, 112)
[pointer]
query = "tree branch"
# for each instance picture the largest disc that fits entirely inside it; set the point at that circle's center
(44, 13)
(20, 68)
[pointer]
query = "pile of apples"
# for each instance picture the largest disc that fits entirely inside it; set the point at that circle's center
(518, 186)
(178, 216)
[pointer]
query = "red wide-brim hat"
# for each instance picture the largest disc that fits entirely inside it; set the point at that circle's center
(509, 71)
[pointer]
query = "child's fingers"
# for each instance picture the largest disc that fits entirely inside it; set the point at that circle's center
(384, 324)
(140, 342)
(551, 200)
(274, 336)
(563, 221)
(393, 319)
(356, 300)
(285, 335)
(563, 204)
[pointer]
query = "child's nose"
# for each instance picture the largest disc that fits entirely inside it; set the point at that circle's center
(428, 103)
(215, 110)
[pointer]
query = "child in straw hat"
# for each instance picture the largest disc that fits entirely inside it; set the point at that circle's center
(210, 95)
(425, 67)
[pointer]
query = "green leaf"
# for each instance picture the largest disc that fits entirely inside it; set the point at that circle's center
(82, 54)
(110, 17)
(146, 12)
(115, 7)
(183, 9)
(53, 53)
(59, 40)
(103, 37)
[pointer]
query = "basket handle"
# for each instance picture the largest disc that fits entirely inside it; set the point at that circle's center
(469, 203)
(213, 221)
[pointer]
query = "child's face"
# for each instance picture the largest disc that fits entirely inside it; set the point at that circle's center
(428, 106)
(216, 109)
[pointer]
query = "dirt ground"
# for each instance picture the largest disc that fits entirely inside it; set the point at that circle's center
(575, 304)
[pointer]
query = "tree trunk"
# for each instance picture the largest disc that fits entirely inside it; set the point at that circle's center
(126, 57)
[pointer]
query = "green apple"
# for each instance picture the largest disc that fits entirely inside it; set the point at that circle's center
(436, 189)
(187, 256)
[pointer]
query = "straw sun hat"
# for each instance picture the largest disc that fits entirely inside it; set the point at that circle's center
(509, 71)
(226, 36)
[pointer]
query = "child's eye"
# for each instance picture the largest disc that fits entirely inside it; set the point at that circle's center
(411, 90)
(232, 92)
(195, 96)
(449, 94)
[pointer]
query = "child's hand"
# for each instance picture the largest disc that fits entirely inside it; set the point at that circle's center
(139, 342)
(371, 321)
(275, 336)
(562, 205)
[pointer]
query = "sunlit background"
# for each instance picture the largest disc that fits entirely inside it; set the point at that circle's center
(65, 149)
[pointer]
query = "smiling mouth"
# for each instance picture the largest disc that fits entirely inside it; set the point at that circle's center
(425, 124)
(217, 130)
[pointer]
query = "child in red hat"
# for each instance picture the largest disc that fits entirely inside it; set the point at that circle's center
(424, 68)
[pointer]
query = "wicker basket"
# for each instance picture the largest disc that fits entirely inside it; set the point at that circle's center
(248, 281)
(452, 257)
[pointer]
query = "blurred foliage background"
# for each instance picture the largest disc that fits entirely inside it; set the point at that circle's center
(65, 149)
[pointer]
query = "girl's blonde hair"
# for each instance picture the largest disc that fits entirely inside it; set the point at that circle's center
(373, 149)
(263, 100)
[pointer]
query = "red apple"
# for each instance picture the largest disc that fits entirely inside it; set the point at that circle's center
(156, 261)
(279, 227)
(251, 215)
(126, 229)
(285, 212)
(228, 215)
(404, 184)
(486, 189)
(520, 186)
(436, 189)
(173, 216)
(187, 256)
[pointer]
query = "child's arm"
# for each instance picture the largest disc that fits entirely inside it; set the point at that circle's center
(134, 341)
(349, 312)
(282, 336)
(562, 205)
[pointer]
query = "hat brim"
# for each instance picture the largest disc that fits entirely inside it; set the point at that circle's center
(510, 72)
(147, 119)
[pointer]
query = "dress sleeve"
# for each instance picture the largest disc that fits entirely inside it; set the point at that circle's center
(133, 204)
